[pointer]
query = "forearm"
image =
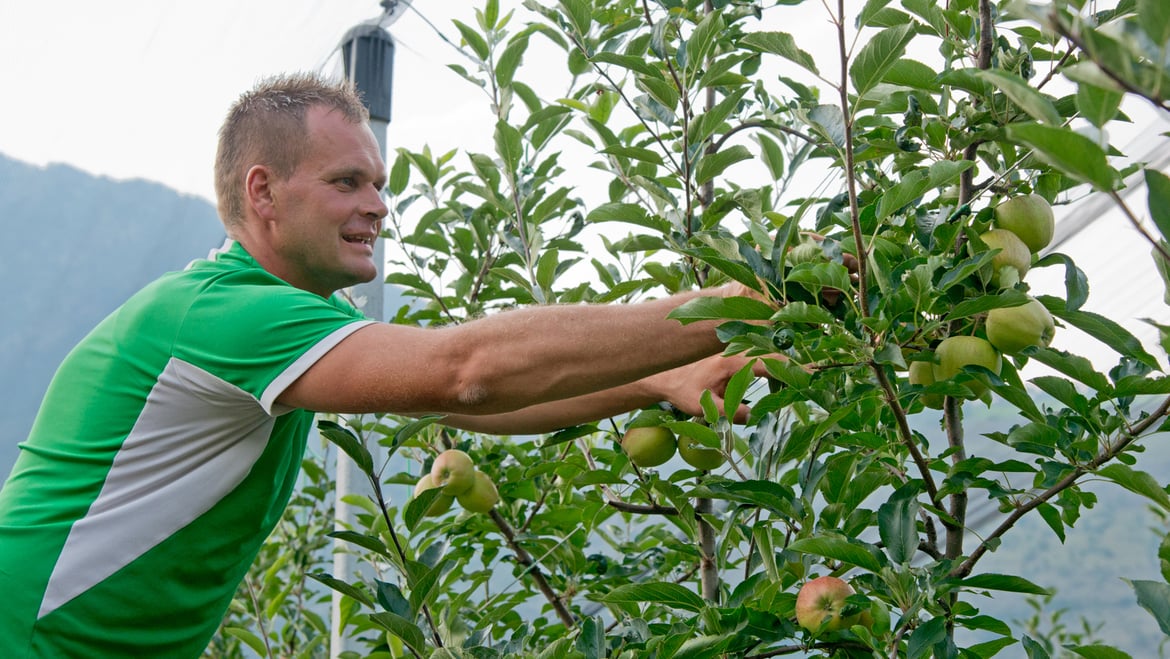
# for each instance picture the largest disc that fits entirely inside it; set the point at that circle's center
(533, 356)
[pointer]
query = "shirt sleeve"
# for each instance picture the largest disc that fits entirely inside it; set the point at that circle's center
(260, 334)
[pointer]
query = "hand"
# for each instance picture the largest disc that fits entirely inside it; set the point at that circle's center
(683, 387)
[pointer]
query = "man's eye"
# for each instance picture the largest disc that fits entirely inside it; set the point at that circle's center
(347, 181)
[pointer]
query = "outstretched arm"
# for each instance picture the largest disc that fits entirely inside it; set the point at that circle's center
(507, 361)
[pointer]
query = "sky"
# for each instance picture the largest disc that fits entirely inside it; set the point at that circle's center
(138, 88)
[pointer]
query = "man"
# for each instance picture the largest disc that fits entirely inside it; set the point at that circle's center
(170, 438)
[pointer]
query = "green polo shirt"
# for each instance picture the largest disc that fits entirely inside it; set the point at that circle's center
(158, 464)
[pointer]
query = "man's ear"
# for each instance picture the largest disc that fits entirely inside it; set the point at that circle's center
(259, 193)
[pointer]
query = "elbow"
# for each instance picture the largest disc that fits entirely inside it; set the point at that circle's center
(472, 396)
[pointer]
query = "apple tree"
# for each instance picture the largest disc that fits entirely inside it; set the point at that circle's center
(682, 144)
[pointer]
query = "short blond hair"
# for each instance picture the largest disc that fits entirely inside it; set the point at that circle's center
(266, 126)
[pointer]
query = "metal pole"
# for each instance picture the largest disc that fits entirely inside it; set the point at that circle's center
(368, 56)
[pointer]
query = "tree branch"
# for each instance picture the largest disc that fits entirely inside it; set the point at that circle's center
(1110, 452)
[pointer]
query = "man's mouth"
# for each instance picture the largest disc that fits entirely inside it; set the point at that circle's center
(365, 240)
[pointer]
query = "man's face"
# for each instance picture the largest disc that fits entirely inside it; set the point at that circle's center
(329, 212)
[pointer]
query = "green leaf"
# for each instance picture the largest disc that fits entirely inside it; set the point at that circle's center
(705, 435)
(945, 171)
(591, 638)
(361, 540)
(705, 646)
(663, 593)
(637, 64)
(509, 145)
(1155, 20)
(902, 193)
(871, 9)
(770, 496)
(391, 599)
(779, 43)
(737, 386)
(824, 274)
(773, 156)
(1069, 151)
(848, 551)
(721, 308)
(985, 303)
(925, 637)
(1005, 582)
(399, 174)
(897, 525)
(629, 213)
(1074, 366)
(829, 122)
(557, 649)
(510, 59)
(580, 15)
(408, 431)
(404, 629)
(1138, 482)
(912, 73)
(1033, 649)
(1154, 596)
(342, 587)
(473, 39)
(634, 153)
(417, 507)
(698, 45)
(803, 312)
(1017, 89)
(1076, 283)
(347, 442)
(1103, 329)
(1098, 105)
(1051, 515)
(1158, 188)
(1098, 652)
(713, 164)
(251, 640)
(878, 55)
(422, 591)
(1141, 385)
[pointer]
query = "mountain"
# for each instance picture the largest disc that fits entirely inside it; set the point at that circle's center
(77, 246)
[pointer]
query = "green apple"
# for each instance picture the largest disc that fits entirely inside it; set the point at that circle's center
(482, 496)
(955, 352)
(697, 455)
(922, 373)
(1012, 253)
(649, 446)
(1029, 217)
(441, 504)
(819, 603)
(453, 471)
(1012, 329)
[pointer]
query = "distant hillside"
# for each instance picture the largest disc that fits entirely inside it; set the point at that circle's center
(76, 246)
